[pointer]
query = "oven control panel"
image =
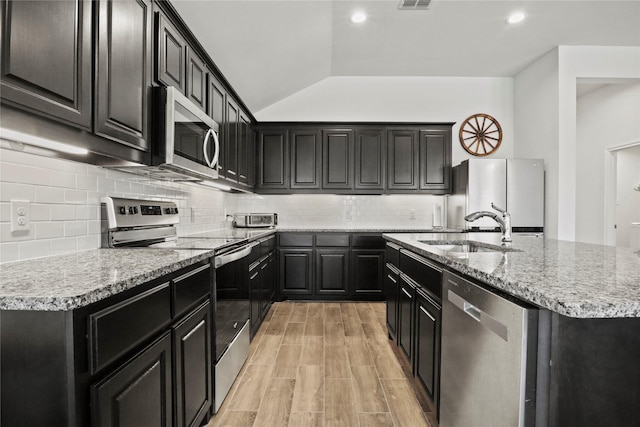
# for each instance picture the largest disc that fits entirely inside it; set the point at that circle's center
(125, 213)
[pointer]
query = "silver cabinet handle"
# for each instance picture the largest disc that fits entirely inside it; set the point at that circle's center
(424, 310)
(407, 293)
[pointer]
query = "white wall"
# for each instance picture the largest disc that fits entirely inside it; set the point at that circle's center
(403, 99)
(536, 126)
(554, 139)
(606, 117)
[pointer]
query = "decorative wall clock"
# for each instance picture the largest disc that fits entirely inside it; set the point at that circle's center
(480, 135)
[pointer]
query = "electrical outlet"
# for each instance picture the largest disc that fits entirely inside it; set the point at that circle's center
(20, 216)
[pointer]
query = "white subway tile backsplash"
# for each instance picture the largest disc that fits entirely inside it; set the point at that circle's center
(87, 212)
(9, 252)
(75, 228)
(75, 196)
(15, 191)
(87, 182)
(40, 212)
(63, 179)
(64, 246)
(63, 212)
(5, 211)
(49, 195)
(48, 230)
(35, 249)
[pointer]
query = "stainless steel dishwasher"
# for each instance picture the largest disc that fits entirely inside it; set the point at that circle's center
(489, 346)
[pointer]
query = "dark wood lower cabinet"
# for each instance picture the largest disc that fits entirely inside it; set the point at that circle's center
(391, 291)
(405, 316)
(139, 393)
(427, 346)
(192, 359)
(367, 267)
(296, 272)
(332, 271)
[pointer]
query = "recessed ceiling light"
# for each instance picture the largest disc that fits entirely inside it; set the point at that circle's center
(358, 17)
(515, 18)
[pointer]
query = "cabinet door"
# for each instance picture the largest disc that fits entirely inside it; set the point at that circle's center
(171, 62)
(402, 159)
(369, 159)
(332, 272)
(123, 71)
(337, 157)
(251, 158)
(197, 75)
(427, 357)
(243, 148)
(367, 268)
(391, 290)
(255, 297)
(46, 58)
(139, 393)
(192, 358)
(296, 271)
(231, 143)
(435, 159)
(218, 112)
(405, 317)
(305, 159)
(273, 164)
(268, 283)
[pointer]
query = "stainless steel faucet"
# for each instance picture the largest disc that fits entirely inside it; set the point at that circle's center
(504, 222)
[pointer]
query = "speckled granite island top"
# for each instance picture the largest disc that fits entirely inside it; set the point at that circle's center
(65, 282)
(573, 279)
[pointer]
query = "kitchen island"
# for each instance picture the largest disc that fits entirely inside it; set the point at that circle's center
(588, 327)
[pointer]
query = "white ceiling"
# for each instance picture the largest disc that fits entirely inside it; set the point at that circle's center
(270, 49)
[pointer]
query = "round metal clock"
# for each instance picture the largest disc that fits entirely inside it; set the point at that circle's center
(480, 135)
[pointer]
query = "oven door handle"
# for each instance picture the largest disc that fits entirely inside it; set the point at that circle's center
(235, 255)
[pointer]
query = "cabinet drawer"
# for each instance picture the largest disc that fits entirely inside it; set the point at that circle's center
(332, 239)
(368, 241)
(296, 239)
(190, 288)
(117, 329)
(392, 254)
(423, 272)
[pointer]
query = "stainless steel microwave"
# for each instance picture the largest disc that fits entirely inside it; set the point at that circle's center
(185, 143)
(255, 220)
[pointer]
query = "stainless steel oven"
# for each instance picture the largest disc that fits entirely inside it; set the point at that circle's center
(151, 224)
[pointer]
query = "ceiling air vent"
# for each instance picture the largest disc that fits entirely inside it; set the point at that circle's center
(414, 4)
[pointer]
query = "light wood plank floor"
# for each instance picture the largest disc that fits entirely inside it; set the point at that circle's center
(324, 364)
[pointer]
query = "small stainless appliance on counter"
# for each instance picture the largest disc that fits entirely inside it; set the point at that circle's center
(152, 224)
(255, 220)
(514, 184)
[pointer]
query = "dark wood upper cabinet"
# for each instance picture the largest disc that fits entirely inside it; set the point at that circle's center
(337, 159)
(402, 159)
(218, 112)
(171, 55)
(123, 71)
(305, 158)
(231, 140)
(435, 159)
(197, 75)
(46, 58)
(273, 159)
(243, 148)
(370, 159)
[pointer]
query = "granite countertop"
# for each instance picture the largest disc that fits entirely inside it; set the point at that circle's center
(573, 279)
(66, 282)
(371, 229)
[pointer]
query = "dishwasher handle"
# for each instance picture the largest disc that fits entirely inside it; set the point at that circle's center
(480, 316)
(232, 256)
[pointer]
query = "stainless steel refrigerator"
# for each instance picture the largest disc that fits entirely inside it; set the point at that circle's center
(514, 184)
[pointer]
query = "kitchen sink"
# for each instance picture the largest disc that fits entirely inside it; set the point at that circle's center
(467, 246)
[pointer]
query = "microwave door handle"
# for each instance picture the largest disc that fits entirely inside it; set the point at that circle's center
(205, 146)
(216, 152)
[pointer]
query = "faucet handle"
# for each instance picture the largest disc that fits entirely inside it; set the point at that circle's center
(499, 209)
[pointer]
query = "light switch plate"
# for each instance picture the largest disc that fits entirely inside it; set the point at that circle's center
(20, 216)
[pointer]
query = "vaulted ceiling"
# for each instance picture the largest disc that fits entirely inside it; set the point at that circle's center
(271, 49)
